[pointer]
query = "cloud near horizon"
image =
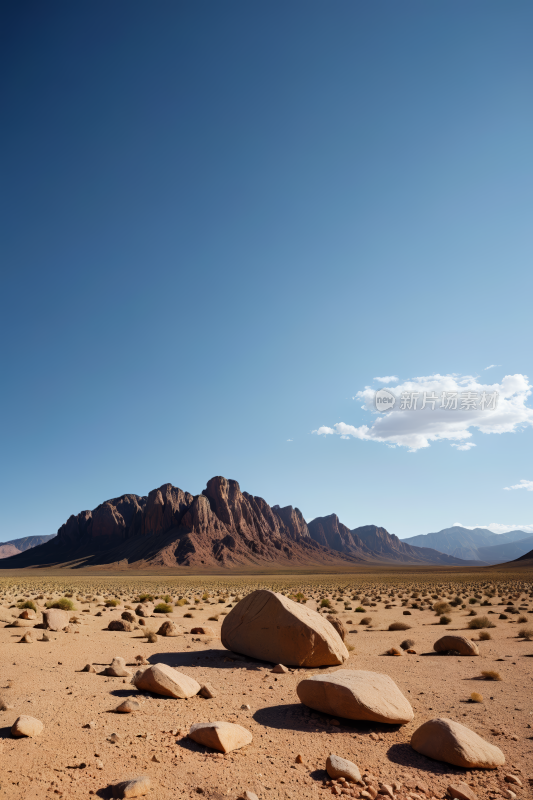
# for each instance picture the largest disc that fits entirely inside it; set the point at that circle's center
(497, 527)
(417, 428)
(527, 485)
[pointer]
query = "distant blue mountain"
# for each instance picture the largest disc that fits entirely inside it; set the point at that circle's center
(478, 544)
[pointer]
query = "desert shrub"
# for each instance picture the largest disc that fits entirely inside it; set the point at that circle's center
(366, 621)
(63, 603)
(407, 644)
(205, 597)
(350, 648)
(111, 603)
(522, 618)
(182, 602)
(442, 608)
(491, 675)
(163, 608)
(472, 601)
(399, 626)
(28, 604)
(480, 622)
(526, 633)
(444, 620)
(325, 603)
(145, 598)
(360, 610)
(484, 636)
(151, 637)
(213, 619)
(188, 615)
(476, 697)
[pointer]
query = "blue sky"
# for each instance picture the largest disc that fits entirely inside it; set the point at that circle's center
(221, 221)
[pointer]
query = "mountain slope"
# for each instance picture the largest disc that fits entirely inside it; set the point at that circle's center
(463, 542)
(222, 527)
(509, 551)
(26, 542)
(8, 549)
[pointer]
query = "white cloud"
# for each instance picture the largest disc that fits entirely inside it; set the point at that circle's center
(289, 440)
(492, 366)
(417, 428)
(498, 527)
(527, 485)
(465, 446)
(387, 379)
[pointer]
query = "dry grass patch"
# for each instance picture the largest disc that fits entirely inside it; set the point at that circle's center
(491, 675)
(398, 626)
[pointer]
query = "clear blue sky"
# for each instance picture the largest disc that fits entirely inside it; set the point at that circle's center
(222, 220)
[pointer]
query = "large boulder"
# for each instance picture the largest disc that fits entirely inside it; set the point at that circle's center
(55, 619)
(446, 740)
(269, 626)
(223, 736)
(462, 645)
(26, 726)
(356, 694)
(162, 679)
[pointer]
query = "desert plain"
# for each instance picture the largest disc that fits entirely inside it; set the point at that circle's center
(86, 747)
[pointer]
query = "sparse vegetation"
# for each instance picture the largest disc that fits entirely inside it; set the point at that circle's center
(64, 603)
(397, 626)
(484, 636)
(491, 675)
(27, 604)
(444, 620)
(476, 697)
(526, 633)
(163, 608)
(407, 644)
(480, 622)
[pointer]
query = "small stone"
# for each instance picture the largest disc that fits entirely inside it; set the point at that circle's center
(245, 707)
(279, 669)
(156, 759)
(120, 625)
(509, 794)
(513, 779)
(204, 630)
(128, 706)
(26, 726)
(338, 767)
(223, 736)
(207, 691)
(26, 639)
(118, 669)
(299, 759)
(386, 790)
(99, 764)
(248, 795)
(133, 788)
(88, 668)
(461, 791)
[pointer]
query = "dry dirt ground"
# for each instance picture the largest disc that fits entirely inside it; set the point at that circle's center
(71, 760)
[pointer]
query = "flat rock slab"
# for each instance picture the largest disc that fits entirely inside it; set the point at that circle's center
(222, 736)
(26, 726)
(461, 644)
(136, 787)
(338, 767)
(164, 680)
(356, 694)
(270, 627)
(446, 740)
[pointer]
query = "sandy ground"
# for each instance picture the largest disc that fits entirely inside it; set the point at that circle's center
(70, 760)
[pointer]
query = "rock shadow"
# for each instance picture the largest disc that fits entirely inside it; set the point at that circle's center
(403, 753)
(216, 658)
(5, 733)
(296, 717)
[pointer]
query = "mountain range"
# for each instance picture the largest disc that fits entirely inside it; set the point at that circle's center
(221, 527)
(477, 544)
